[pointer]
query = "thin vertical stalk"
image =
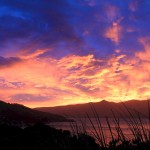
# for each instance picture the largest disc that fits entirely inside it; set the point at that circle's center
(111, 133)
(149, 117)
(96, 133)
(118, 128)
(99, 124)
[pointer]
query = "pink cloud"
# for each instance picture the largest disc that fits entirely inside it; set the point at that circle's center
(77, 79)
(114, 32)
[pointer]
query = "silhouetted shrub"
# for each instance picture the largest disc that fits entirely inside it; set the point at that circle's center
(43, 137)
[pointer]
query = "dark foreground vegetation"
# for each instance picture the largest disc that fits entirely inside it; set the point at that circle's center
(44, 137)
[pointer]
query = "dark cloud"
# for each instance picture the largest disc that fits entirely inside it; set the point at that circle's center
(71, 26)
(89, 90)
(44, 23)
(5, 62)
(29, 97)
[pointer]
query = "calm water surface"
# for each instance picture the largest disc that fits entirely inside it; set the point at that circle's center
(84, 125)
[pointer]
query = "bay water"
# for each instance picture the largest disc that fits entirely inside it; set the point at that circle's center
(92, 125)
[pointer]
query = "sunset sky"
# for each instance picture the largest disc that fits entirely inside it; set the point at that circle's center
(58, 52)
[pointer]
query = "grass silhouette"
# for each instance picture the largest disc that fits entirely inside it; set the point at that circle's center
(119, 141)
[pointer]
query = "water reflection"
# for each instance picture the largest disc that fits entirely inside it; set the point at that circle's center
(84, 125)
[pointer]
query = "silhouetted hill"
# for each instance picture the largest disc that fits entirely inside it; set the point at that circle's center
(16, 114)
(102, 108)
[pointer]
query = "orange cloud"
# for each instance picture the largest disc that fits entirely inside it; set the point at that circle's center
(146, 54)
(25, 55)
(114, 32)
(76, 79)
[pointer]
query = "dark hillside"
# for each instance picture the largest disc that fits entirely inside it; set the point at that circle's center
(16, 113)
(103, 109)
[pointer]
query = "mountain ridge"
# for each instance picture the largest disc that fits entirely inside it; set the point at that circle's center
(18, 114)
(103, 108)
